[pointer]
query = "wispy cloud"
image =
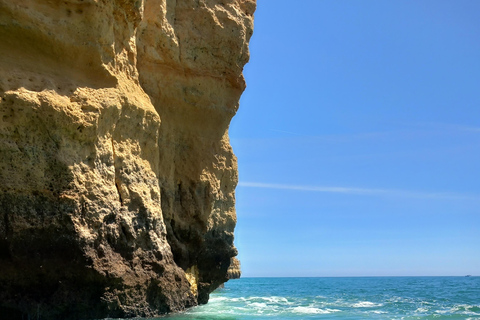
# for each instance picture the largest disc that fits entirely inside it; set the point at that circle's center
(332, 137)
(447, 126)
(362, 191)
(289, 132)
(471, 129)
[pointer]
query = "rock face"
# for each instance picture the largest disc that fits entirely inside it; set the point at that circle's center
(116, 174)
(234, 271)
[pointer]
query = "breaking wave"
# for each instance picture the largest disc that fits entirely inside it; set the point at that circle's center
(406, 298)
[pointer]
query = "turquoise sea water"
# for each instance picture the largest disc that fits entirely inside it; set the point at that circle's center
(342, 298)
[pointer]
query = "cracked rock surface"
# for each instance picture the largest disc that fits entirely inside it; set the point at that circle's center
(117, 176)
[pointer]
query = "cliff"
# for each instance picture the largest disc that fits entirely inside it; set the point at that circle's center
(117, 176)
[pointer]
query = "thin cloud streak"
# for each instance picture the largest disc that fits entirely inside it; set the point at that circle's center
(446, 126)
(471, 129)
(361, 191)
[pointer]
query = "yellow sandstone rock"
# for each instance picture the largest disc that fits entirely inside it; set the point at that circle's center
(116, 172)
(234, 271)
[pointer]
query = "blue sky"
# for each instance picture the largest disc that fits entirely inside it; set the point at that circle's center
(358, 139)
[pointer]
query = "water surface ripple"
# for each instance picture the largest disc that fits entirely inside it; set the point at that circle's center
(342, 298)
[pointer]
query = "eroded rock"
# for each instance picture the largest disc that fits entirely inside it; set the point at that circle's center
(234, 271)
(116, 174)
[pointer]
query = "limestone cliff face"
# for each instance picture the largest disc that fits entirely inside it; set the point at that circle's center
(116, 174)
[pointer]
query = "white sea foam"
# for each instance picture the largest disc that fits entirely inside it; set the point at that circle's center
(275, 299)
(312, 310)
(258, 305)
(466, 309)
(399, 300)
(448, 311)
(258, 299)
(378, 312)
(458, 309)
(218, 299)
(309, 310)
(263, 308)
(238, 299)
(366, 304)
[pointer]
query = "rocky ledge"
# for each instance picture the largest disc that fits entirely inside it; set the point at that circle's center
(234, 271)
(117, 176)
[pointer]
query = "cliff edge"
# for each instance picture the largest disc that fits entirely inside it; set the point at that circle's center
(117, 176)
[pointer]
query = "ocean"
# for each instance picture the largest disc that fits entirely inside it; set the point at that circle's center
(341, 298)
